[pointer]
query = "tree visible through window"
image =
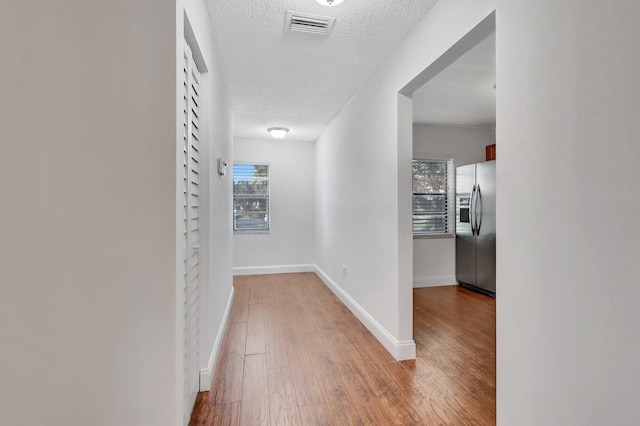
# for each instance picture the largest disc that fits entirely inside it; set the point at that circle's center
(432, 187)
(251, 197)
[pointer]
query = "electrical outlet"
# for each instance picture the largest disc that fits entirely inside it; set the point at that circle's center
(344, 271)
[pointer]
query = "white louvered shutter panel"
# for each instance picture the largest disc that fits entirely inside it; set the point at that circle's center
(191, 231)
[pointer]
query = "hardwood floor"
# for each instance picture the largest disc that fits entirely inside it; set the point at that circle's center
(293, 354)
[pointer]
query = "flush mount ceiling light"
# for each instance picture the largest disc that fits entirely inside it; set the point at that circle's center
(329, 2)
(278, 132)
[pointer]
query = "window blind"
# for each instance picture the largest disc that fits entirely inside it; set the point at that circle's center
(433, 197)
(251, 197)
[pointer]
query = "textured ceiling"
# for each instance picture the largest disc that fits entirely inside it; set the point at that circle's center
(302, 81)
(462, 94)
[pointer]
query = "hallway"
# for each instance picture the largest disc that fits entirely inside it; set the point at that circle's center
(297, 355)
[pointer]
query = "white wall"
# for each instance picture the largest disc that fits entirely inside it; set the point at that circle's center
(217, 194)
(434, 261)
(567, 129)
(87, 213)
(88, 303)
(364, 182)
(292, 207)
(466, 145)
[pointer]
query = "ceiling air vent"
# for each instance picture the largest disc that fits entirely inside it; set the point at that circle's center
(307, 23)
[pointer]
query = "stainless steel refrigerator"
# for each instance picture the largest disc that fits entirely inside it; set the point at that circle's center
(476, 226)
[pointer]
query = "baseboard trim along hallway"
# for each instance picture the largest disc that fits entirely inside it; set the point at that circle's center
(400, 350)
(206, 375)
(435, 281)
(274, 269)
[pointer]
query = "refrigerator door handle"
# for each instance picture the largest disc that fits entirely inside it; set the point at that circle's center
(472, 210)
(478, 215)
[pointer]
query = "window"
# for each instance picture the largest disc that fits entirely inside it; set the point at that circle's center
(433, 197)
(250, 197)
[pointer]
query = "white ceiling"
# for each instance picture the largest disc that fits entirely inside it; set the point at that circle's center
(463, 93)
(302, 81)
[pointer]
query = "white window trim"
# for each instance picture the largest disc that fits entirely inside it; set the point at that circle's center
(451, 194)
(251, 231)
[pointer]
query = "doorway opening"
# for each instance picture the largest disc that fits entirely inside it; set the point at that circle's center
(447, 116)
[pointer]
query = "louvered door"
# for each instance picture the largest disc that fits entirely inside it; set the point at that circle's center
(191, 230)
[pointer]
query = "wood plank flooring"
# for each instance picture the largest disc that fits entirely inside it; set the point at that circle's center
(293, 354)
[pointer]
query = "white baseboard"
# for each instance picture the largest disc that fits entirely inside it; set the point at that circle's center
(437, 281)
(273, 269)
(400, 350)
(206, 375)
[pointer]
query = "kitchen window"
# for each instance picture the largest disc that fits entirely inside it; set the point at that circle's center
(250, 198)
(433, 198)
